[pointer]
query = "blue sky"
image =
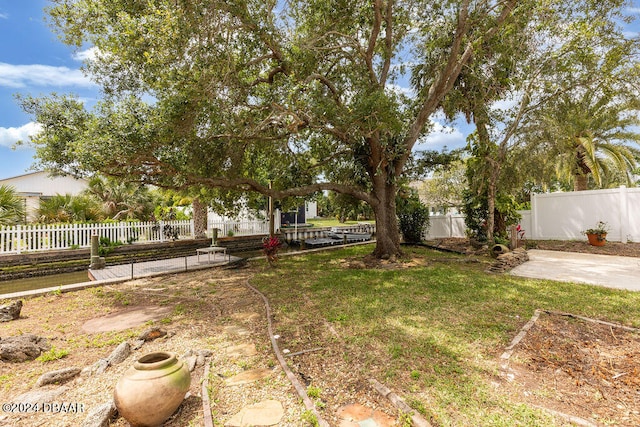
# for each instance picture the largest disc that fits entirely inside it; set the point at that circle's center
(34, 62)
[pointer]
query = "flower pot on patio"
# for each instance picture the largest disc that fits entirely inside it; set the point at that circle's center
(598, 235)
(597, 239)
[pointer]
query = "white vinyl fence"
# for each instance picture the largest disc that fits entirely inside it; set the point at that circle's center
(44, 237)
(565, 216)
(443, 226)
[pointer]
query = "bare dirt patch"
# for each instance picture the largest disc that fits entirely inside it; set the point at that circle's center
(579, 368)
(203, 310)
(212, 309)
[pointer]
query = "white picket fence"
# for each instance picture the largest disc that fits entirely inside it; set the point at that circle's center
(239, 228)
(45, 237)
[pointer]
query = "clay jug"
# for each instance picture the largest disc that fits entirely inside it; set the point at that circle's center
(152, 389)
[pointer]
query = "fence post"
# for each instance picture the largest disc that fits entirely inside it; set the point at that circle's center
(624, 214)
(74, 235)
(192, 225)
(19, 239)
(161, 231)
(534, 217)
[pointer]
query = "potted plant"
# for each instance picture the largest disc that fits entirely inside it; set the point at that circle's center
(598, 235)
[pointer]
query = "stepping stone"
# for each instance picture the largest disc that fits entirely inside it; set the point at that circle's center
(236, 330)
(354, 412)
(265, 413)
(356, 415)
(383, 420)
(241, 350)
(125, 319)
(248, 376)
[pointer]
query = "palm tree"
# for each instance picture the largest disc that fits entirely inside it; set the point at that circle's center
(12, 207)
(68, 208)
(122, 199)
(587, 137)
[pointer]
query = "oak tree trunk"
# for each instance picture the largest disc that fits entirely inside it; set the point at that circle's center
(387, 231)
(199, 218)
(491, 209)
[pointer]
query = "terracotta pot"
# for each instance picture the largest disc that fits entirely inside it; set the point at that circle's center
(152, 389)
(597, 239)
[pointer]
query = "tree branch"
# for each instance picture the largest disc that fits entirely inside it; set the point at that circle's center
(388, 43)
(373, 38)
(322, 79)
(446, 77)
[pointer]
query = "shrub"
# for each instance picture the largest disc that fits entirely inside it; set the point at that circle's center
(413, 218)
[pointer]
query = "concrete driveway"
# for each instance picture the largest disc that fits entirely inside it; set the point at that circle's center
(603, 270)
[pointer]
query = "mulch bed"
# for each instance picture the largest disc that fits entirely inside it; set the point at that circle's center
(610, 248)
(572, 366)
(463, 245)
(580, 368)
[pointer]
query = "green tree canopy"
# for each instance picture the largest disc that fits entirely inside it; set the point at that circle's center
(588, 129)
(243, 92)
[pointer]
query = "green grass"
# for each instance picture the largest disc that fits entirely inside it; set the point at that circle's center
(432, 331)
(51, 355)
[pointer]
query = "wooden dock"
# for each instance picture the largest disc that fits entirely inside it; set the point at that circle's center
(150, 268)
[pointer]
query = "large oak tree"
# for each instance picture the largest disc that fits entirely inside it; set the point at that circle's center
(243, 92)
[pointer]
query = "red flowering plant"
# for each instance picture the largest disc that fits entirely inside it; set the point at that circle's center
(270, 246)
(520, 234)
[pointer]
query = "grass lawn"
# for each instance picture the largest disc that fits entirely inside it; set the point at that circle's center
(432, 328)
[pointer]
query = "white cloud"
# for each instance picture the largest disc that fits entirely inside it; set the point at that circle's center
(9, 136)
(86, 55)
(18, 76)
(406, 91)
(441, 136)
(4, 16)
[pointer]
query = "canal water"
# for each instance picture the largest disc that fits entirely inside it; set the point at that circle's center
(55, 280)
(40, 282)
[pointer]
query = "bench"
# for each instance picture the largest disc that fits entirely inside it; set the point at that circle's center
(212, 250)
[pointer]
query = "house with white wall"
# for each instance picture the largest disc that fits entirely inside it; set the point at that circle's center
(310, 210)
(35, 186)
